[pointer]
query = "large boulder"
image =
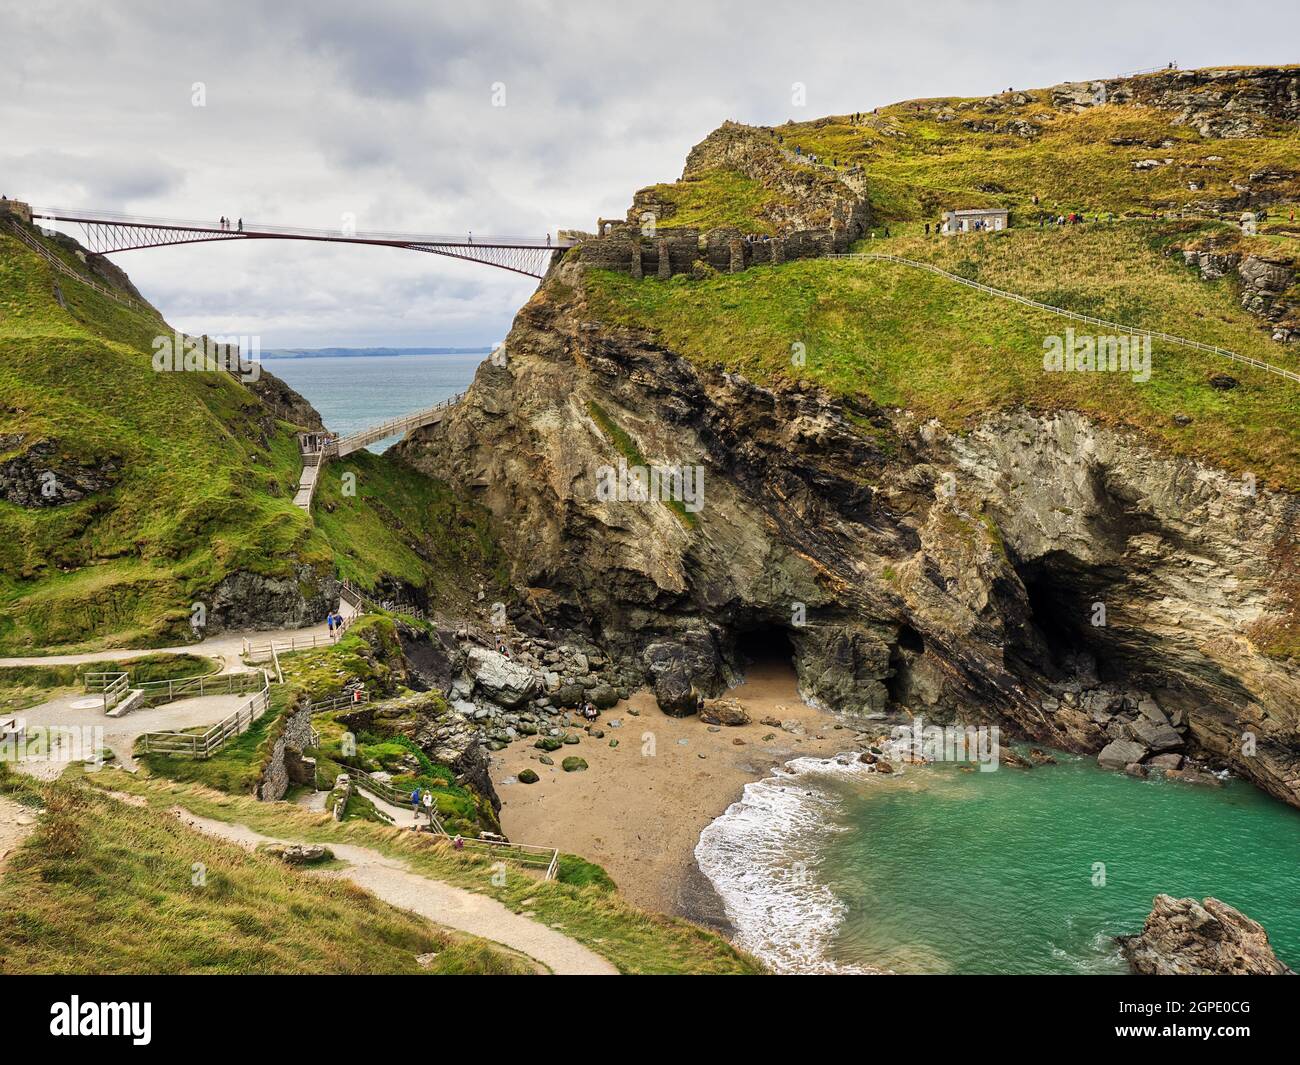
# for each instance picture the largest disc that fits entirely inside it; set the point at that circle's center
(1182, 937)
(723, 712)
(1121, 753)
(603, 696)
(844, 666)
(498, 678)
(682, 670)
(1158, 736)
(297, 853)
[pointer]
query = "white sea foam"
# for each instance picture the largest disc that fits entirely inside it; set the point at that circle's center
(762, 856)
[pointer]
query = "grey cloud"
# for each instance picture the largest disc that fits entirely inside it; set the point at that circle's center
(383, 109)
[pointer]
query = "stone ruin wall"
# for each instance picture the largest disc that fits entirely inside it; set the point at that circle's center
(678, 251)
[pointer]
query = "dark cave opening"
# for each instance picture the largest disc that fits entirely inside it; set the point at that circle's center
(763, 645)
(910, 640)
(908, 647)
(1066, 630)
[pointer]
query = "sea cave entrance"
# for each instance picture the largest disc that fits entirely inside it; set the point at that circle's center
(767, 645)
(1068, 625)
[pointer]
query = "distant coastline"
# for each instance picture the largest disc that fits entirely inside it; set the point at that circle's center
(362, 353)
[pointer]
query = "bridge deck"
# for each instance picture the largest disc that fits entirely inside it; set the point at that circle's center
(313, 460)
(108, 232)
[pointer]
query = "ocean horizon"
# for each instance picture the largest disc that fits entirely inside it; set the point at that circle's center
(352, 393)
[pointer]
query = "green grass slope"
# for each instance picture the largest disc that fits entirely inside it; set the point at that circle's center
(103, 886)
(905, 337)
(920, 157)
(202, 479)
(584, 905)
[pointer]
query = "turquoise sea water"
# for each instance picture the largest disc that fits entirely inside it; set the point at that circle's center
(1013, 871)
(352, 393)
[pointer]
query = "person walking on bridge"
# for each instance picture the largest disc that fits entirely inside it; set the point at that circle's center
(241, 225)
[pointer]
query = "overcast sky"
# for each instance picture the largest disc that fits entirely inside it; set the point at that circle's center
(385, 110)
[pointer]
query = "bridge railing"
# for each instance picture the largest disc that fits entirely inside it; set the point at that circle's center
(355, 441)
(210, 225)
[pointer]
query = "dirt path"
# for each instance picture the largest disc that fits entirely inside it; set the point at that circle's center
(452, 907)
(82, 731)
(228, 645)
(16, 823)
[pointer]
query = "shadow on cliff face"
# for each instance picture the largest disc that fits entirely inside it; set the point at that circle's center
(1068, 602)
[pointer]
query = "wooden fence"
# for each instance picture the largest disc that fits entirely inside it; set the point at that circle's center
(205, 744)
(55, 261)
(167, 691)
(114, 685)
(337, 702)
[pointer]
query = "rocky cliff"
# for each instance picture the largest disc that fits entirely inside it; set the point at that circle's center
(1228, 102)
(1065, 580)
(1069, 580)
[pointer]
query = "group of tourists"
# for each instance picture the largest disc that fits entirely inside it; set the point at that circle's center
(225, 224)
(334, 620)
(1071, 219)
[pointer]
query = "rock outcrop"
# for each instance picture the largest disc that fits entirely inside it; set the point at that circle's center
(1266, 282)
(810, 210)
(444, 736)
(247, 600)
(41, 475)
(1183, 937)
(1227, 102)
(911, 569)
(285, 403)
(804, 196)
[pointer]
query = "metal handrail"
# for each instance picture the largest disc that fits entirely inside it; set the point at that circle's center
(353, 441)
(1147, 70)
(1076, 315)
(71, 214)
(64, 268)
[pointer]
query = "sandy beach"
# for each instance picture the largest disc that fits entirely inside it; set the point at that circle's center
(639, 808)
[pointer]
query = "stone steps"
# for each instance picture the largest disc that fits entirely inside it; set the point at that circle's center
(127, 703)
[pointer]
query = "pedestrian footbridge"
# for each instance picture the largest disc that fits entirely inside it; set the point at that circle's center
(317, 449)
